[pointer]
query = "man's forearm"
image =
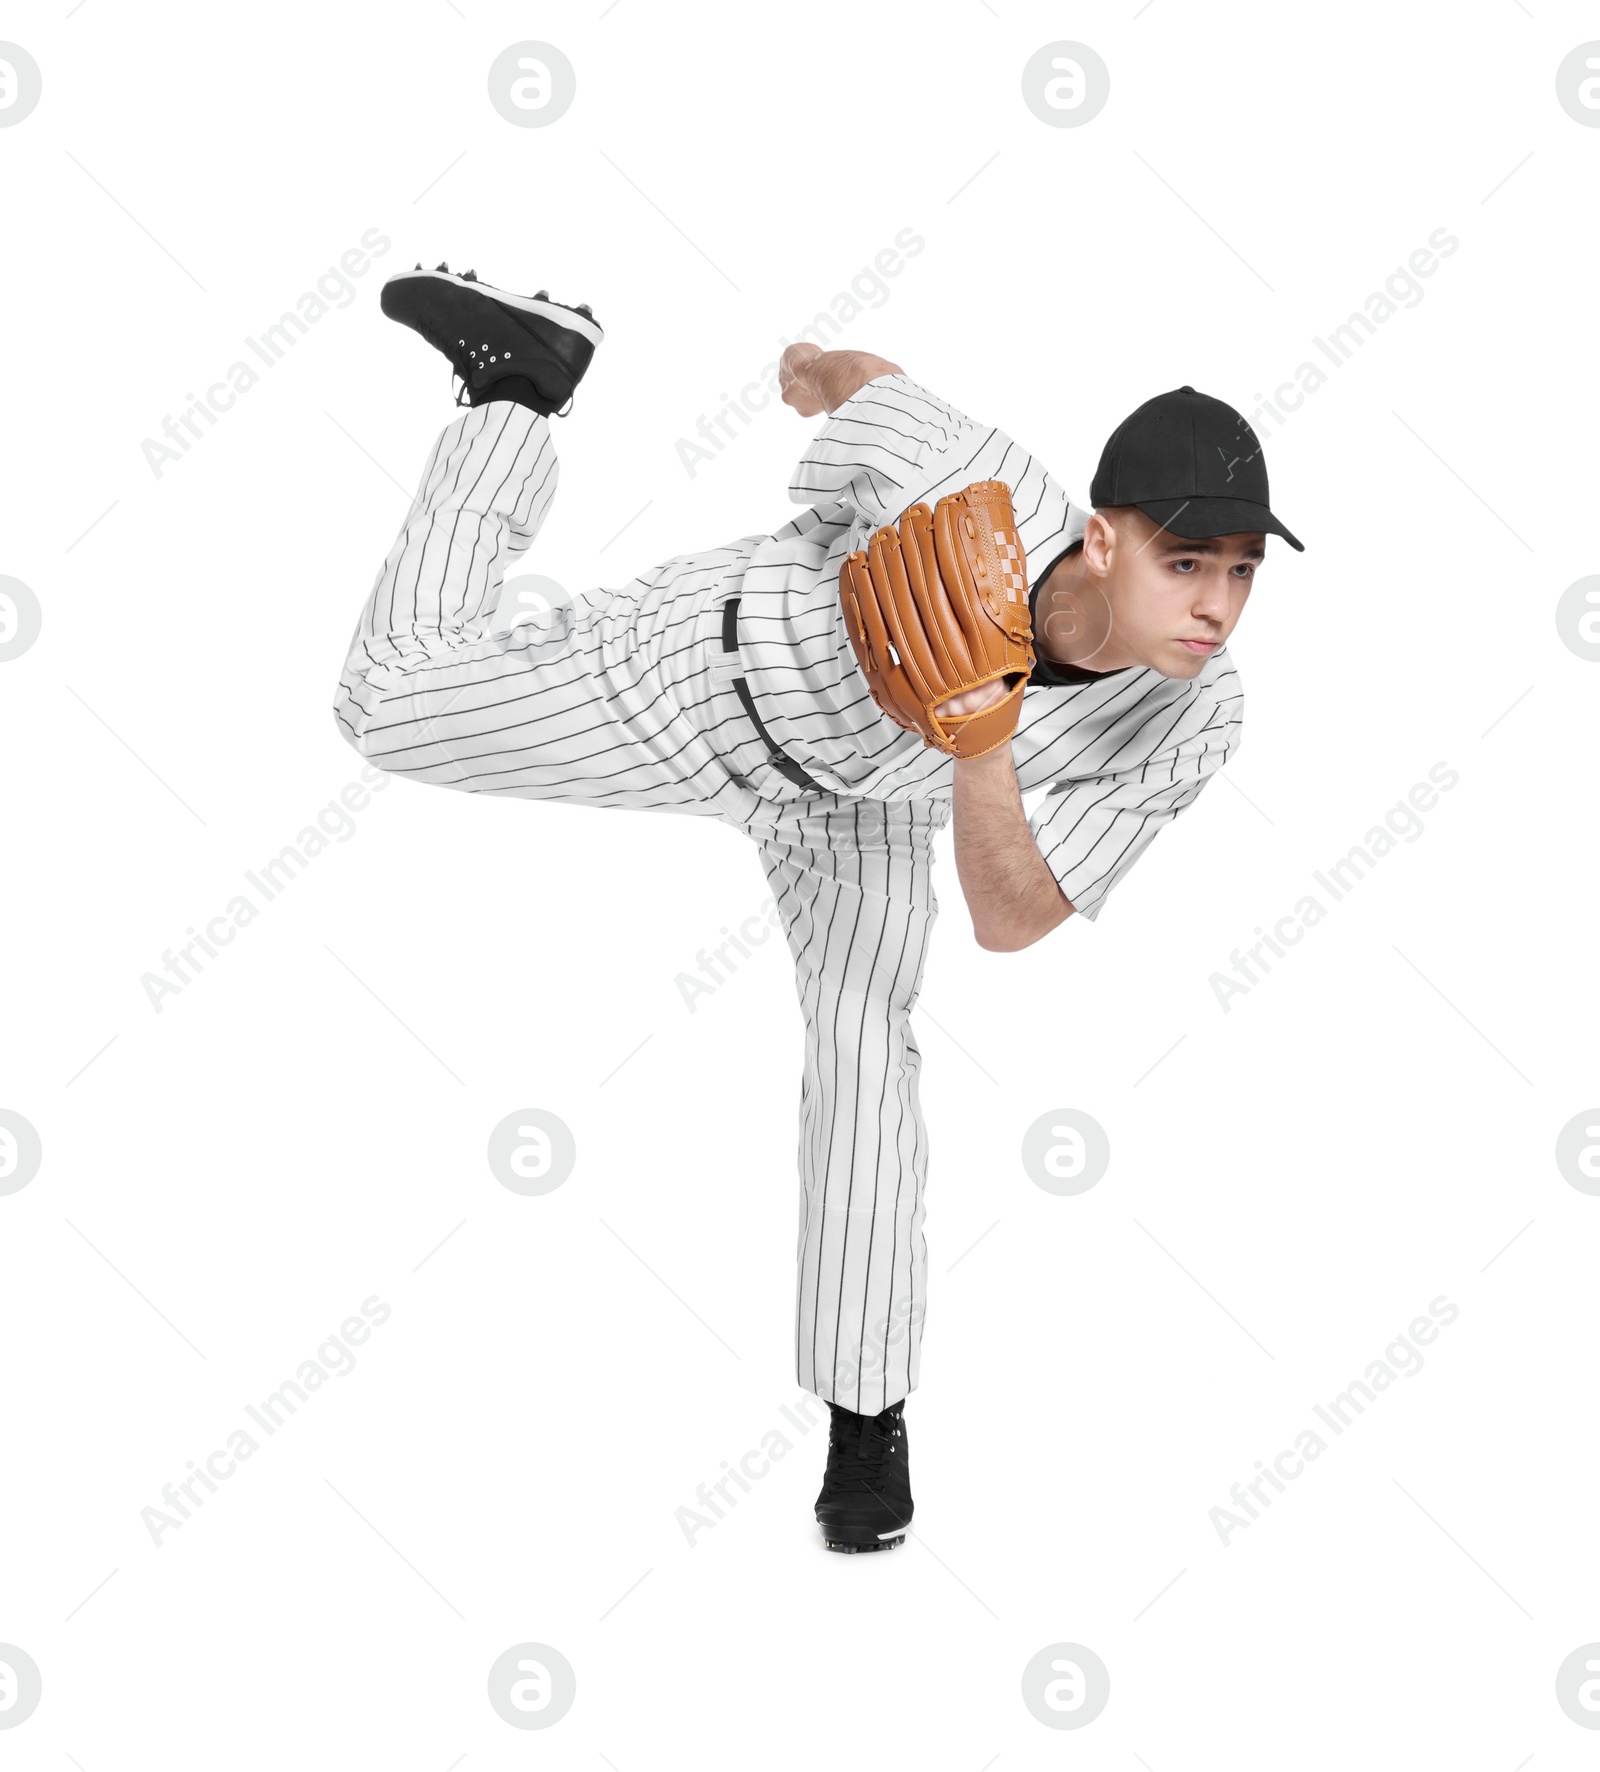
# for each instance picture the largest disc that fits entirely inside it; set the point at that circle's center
(1011, 894)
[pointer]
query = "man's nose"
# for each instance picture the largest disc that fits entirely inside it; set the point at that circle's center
(1211, 597)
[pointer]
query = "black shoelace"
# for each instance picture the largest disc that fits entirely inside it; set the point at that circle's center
(858, 1447)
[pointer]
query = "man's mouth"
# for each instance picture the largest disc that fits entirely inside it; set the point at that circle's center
(1200, 646)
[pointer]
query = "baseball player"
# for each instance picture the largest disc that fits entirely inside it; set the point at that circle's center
(938, 630)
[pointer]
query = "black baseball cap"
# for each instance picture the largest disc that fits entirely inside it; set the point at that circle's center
(1191, 464)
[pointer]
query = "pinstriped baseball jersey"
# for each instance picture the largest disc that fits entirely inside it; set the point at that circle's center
(1122, 755)
(631, 703)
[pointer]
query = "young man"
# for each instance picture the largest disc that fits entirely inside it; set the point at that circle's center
(723, 683)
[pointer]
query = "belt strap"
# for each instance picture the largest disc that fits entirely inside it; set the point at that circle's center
(785, 765)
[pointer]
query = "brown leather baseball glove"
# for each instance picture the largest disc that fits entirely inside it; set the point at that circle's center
(938, 604)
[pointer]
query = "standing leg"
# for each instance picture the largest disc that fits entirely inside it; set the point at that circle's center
(853, 888)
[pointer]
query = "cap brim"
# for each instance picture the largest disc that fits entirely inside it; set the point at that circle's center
(1203, 519)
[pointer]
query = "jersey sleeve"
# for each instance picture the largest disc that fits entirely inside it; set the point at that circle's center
(1091, 832)
(887, 445)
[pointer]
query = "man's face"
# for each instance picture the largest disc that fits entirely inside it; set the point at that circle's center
(1172, 602)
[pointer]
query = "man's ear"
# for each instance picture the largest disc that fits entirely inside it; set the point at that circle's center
(1099, 544)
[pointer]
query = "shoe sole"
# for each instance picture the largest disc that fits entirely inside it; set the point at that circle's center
(883, 1541)
(559, 315)
(853, 1548)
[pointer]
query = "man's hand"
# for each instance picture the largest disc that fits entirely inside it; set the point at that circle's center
(813, 380)
(972, 701)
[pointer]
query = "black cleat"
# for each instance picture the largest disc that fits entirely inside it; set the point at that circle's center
(502, 346)
(865, 1504)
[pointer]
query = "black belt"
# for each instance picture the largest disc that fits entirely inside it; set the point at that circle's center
(785, 765)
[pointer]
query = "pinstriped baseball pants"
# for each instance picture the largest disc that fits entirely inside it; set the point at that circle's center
(630, 705)
(854, 889)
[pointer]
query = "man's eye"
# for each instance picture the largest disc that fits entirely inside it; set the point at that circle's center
(1245, 569)
(1184, 565)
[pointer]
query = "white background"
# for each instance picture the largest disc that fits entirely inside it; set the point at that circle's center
(299, 1129)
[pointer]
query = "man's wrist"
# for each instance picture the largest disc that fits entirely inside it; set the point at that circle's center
(996, 764)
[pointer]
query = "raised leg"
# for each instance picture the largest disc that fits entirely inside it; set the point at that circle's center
(436, 689)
